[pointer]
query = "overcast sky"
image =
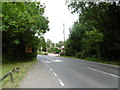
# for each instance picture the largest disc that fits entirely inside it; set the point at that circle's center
(58, 13)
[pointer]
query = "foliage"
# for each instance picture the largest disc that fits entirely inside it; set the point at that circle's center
(97, 31)
(42, 53)
(39, 52)
(69, 48)
(50, 50)
(42, 44)
(90, 42)
(48, 43)
(54, 50)
(54, 47)
(61, 43)
(22, 23)
(62, 54)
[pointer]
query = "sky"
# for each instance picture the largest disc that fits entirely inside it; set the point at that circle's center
(58, 14)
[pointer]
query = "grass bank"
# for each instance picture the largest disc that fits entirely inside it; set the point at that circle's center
(96, 60)
(18, 77)
(42, 53)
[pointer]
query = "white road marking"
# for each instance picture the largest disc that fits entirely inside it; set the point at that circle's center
(47, 62)
(56, 60)
(104, 72)
(51, 69)
(61, 83)
(54, 73)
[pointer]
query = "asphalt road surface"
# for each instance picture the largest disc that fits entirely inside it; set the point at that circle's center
(74, 73)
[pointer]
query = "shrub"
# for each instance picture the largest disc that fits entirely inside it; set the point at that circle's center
(80, 55)
(61, 53)
(44, 53)
(38, 52)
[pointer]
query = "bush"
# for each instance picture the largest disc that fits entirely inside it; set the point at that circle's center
(61, 53)
(49, 50)
(44, 53)
(80, 55)
(38, 52)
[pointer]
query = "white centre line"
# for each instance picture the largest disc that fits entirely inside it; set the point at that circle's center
(51, 69)
(61, 83)
(104, 72)
(54, 73)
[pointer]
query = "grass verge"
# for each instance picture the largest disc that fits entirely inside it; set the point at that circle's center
(18, 77)
(96, 60)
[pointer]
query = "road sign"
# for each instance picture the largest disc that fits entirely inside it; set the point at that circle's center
(28, 49)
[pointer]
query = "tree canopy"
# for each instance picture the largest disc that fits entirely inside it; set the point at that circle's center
(96, 33)
(22, 24)
(42, 44)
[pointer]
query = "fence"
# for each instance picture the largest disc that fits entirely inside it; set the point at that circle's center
(11, 74)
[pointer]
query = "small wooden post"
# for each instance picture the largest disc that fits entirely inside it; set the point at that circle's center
(17, 70)
(11, 76)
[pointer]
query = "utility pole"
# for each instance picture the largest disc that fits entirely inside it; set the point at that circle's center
(64, 37)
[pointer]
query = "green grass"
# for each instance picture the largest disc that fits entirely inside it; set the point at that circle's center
(42, 53)
(95, 60)
(18, 77)
(102, 61)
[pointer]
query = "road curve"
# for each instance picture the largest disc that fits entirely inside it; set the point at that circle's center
(74, 73)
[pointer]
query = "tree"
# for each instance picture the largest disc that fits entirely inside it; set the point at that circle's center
(49, 42)
(56, 50)
(22, 23)
(91, 41)
(61, 43)
(42, 44)
(102, 16)
(74, 43)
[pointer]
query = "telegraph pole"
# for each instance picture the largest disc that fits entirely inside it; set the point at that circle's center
(64, 37)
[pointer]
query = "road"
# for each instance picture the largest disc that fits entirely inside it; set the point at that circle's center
(74, 73)
(61, 72)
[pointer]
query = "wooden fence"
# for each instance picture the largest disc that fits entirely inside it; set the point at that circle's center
(10, 73)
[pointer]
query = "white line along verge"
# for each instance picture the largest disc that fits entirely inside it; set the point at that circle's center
(104, 72)
(54, 73)
(61, 83)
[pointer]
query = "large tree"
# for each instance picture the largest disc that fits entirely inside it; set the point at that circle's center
(42, 44)
(102, 16)
(22, 23)
(49, 43)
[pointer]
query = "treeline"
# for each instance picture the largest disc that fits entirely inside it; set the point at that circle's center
(42, 44)
(23, 23)
(97, 31)
(54, 47)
